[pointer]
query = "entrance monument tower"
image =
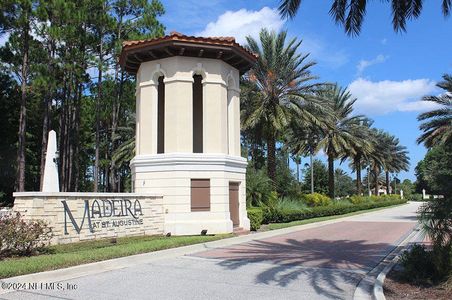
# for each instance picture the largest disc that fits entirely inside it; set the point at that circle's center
(188, 129)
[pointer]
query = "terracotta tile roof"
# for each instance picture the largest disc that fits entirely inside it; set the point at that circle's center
(177, 36)
(134, 46)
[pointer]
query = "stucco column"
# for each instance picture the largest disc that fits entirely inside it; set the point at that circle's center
(147, 118)
(215, 118)
(178, 115)
(234, 121)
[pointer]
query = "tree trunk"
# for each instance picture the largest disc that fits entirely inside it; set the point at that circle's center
(73, 139)
(99, 97)
(271, 159)
(64, 149)
(331, 176)
(377, 187)
(358, 177)
(106, 187)
(44, 141)
(23, 112)
(311, 158)
(60, 140)
(114, 126)
(114, 175)
(298, 171)
(63, 145)
(77, 139)
(387, 183)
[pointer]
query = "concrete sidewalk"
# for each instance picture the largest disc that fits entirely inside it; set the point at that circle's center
(319, 260)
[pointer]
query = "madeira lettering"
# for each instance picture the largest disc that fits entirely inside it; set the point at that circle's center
(96, 213)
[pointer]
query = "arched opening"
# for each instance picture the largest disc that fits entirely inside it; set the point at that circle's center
(197, 114)
(161, 116)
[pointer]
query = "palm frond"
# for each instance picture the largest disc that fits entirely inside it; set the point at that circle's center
(447, 4)
(288, 8)
(437, 128)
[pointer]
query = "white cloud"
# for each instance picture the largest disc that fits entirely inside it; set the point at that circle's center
(242, 23)
(382, 97)
(364, 64)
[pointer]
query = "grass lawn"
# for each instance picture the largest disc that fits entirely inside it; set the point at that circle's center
(61, 256)
(273, 226)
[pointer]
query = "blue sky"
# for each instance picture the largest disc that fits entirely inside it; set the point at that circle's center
(388, 72)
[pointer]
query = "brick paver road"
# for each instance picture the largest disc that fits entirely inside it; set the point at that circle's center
(318, 263)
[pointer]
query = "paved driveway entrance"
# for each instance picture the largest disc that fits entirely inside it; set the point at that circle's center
(353, 246)
(318, 263)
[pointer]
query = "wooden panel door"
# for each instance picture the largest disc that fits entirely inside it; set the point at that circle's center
(234, 202)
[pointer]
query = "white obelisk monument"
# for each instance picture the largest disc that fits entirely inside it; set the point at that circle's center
(51, 182)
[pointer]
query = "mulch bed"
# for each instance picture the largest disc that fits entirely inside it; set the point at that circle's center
(396, 288)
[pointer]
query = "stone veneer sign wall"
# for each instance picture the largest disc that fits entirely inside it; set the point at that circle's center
(77, 217)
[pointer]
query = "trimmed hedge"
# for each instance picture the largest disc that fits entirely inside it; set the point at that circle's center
(256, 216)
(415, 197)
(361, 199)
(283, 216)
(317, 199)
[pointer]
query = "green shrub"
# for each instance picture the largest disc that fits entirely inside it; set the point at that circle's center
(436, 219)
(417, 265)
(355, 199)
(283, 216)
(258, 187)
(389, 197)
(422, 266)
(256, 216)
(22, 237)
(288, 203)
(415, 197)
(372, 198)
(316, 199)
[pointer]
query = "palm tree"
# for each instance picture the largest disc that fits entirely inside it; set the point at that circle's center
(350, 13)
(301, 139)
(378, 157)
(281, 81)
(388, 156)
(374, 181)
(435, 218)
(122, 156)
(396, 161)
(437, 127)
(339, 137)
(360, 151)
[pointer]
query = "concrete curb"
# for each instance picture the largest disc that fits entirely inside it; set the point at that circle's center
(138, 259)
(371, 285)
(378, 291)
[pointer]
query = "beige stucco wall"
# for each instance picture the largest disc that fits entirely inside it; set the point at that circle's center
(221, 118)
(49, 207)
(170, 173)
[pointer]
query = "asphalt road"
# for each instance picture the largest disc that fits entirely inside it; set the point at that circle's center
(325, 262)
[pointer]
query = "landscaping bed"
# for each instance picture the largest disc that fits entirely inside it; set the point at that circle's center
(292, 213)
(274, 226)
(396, 288)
